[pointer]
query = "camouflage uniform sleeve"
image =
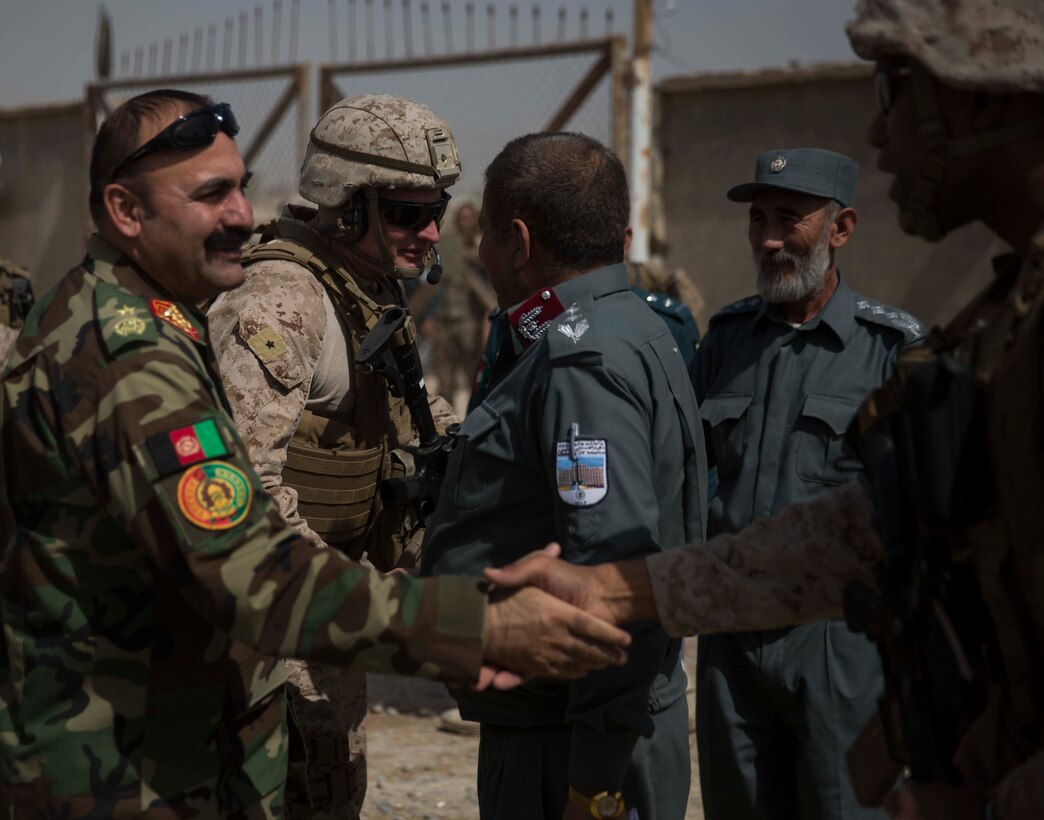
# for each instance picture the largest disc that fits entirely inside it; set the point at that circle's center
(442, 413)
(1020, 795)
(8, 337)
(787, 569)
(231, 555)
(267, 335)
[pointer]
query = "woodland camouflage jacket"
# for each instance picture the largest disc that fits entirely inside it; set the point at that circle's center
(147, 580)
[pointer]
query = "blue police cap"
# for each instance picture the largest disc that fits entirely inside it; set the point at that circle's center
(813, 171)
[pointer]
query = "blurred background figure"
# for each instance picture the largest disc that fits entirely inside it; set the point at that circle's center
(456, 320)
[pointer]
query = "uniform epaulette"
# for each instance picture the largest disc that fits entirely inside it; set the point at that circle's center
(570, 334)
(751, 304)
(890, 317)
(122, 317)
(665, 305)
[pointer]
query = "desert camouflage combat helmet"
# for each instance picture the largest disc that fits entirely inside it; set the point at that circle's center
(995, 46)
(377, 141)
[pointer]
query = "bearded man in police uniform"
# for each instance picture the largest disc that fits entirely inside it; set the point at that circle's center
(961, 127)
(322, 433)
(588, 435)
(779, 378)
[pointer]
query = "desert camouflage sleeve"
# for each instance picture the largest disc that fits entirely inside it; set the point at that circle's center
(267, 335)
(250, 573)
(787, 569)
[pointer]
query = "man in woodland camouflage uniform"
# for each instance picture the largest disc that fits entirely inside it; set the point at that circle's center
(323, 433)
(16, 297)
(148, 581)
(961, 127)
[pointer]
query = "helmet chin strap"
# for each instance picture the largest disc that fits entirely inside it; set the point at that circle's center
(387, 261)
(920, 210)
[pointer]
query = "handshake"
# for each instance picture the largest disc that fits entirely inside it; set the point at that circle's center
(548, 618)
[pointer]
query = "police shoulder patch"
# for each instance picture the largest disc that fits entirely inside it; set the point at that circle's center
(123, 318)
(214, 495)
(582, 470)
(890, 317)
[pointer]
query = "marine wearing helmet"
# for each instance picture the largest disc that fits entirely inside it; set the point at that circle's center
(324, 436)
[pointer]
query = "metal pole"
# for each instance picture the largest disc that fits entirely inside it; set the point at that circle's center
(641, 131)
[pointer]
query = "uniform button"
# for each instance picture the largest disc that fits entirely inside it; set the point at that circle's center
(545, 295)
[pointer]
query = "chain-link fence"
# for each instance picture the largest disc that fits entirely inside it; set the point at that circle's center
(489, 98)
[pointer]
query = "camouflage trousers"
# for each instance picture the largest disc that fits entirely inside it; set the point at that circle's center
(327, 772)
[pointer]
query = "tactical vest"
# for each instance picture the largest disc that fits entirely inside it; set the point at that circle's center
(990, 509)
(337, 464)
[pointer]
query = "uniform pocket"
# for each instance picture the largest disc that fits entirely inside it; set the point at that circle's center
(271, 348)
(822, 426)
(725, 418)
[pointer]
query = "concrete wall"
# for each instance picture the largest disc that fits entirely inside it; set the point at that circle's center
(711, 129)
(43, 190)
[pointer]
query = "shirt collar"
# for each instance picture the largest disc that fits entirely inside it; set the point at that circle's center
(530, 317)
(111, 265)
(838, 314)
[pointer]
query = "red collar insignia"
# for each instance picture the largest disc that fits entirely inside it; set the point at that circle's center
(172, 315)
(531, 318)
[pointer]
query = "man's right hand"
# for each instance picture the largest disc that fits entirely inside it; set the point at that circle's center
(534, 634)
(619, 592)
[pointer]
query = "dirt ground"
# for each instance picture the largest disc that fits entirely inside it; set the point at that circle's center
(418, 771)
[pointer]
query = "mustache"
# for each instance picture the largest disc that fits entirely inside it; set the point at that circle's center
(227, 239)
(777, 259)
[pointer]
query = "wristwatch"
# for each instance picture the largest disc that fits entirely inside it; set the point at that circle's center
(601, 805)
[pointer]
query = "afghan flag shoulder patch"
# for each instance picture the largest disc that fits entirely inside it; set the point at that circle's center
(176, 449)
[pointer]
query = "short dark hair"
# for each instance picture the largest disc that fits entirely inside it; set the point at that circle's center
(120, 135)
(569, 189)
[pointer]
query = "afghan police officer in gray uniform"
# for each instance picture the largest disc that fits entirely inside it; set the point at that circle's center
(589, 436)
(779, 378)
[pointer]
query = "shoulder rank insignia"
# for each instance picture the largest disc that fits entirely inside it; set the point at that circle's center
(215, 495)
(573, 325)
(267, 344)
(122, 318)
(172, 315)
(912, 329)
(531, 318)
(581, 469)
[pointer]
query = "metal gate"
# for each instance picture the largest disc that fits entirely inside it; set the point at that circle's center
(486, 109)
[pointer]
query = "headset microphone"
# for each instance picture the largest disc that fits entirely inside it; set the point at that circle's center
(434, 273)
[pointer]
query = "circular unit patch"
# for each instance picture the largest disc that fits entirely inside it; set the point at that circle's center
(215, 495)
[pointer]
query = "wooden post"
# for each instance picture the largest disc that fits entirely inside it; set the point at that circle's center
(641, 131)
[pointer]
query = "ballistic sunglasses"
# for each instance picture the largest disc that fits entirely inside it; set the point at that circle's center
(413, 216)
(196, 129)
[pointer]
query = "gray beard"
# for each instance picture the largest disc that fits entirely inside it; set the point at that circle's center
(787, 277)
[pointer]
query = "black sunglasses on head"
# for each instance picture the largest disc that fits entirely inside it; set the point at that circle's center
(413, 216)
(886, 78)
(196, 129)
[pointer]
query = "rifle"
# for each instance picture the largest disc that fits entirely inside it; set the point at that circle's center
(930, 479)
(390, 349)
